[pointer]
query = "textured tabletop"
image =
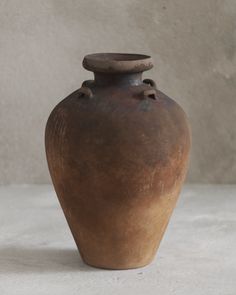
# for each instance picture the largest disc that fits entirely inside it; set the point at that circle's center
(197, 255)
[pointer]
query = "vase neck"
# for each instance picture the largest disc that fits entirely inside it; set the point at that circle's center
(118, 79)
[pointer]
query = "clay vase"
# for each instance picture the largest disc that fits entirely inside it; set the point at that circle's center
(117, 151)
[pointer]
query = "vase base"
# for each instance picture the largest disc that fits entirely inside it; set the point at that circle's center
(117, 267)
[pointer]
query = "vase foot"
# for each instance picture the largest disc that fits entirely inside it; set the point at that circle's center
(114, 266)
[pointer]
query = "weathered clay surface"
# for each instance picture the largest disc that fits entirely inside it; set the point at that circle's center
(117, 151)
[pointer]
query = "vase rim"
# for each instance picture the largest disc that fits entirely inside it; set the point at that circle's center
(117, 62)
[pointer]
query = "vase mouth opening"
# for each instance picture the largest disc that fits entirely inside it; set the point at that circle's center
(117, 62)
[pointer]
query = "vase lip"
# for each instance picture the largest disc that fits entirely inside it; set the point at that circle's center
(117, 62)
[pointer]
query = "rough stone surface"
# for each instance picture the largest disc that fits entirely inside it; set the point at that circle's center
(42, 45)
(197, 255)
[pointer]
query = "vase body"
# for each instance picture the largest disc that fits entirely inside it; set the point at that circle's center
(117, 151)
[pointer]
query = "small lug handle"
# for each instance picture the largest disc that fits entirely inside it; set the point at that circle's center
(85, 92)
(87, 83)
(150, 82)
(150, 93)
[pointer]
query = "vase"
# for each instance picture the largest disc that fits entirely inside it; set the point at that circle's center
(117, 150)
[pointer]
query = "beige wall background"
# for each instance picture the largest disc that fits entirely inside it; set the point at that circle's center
(42, 44)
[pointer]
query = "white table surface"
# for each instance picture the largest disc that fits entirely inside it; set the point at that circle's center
(197, 255)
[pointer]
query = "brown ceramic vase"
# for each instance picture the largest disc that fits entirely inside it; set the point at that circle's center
(117, 151)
